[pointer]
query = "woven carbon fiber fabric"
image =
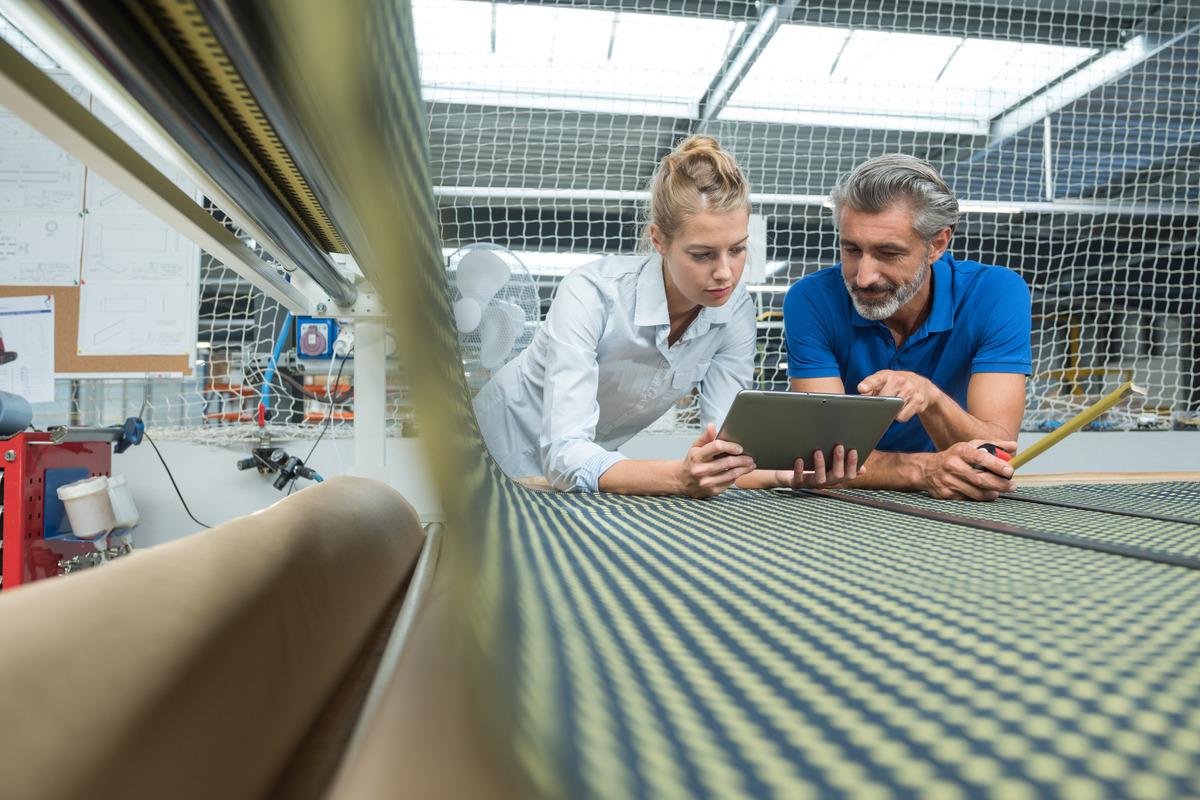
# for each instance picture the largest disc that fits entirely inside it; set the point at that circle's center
(1168, 537)
(1170, 499)
(767, 645)
(755, 644)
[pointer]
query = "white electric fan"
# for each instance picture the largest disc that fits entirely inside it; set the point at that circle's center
(496, 308)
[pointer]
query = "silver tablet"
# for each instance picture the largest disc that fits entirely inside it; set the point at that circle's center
(776, 428)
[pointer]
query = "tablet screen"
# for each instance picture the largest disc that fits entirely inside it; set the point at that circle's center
(776, 428)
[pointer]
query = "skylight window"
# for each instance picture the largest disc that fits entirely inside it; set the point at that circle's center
(565, 58)
(902, 81)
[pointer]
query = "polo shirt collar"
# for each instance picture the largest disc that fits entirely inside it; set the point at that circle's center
(941, 315)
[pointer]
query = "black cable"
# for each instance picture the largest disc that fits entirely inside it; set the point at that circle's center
(328, 418)
(173, 483)
(995, 526)
(304, 390)
(1121, 512)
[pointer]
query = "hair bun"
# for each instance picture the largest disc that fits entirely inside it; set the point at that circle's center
(697, 175)
(698, 143)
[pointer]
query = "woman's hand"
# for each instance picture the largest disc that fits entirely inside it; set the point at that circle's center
(845, 468)
(712, 465)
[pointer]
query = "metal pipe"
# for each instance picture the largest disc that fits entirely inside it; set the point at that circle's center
(45, 106)
(370, 406)
(534, 193)
(122, 45)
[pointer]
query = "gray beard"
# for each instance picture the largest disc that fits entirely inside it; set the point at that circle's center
(897, 297)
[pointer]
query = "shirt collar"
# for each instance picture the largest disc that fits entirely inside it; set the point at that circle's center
(650, 305)
(941, 315)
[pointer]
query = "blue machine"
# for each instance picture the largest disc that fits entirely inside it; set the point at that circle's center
(315, 337)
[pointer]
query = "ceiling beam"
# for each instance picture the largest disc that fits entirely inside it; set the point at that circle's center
(983, 19)
(741, 57)
(1099, 71)
(48, 108)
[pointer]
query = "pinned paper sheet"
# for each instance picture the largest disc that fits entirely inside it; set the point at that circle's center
(27, 347)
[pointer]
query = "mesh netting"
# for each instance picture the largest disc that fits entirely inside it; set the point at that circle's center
(1069, 136)
(238, 331)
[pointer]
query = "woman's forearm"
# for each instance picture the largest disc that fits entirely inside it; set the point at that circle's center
(633, 476)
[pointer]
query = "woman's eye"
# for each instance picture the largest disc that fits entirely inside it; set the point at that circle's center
(701, 256)
(738, 250)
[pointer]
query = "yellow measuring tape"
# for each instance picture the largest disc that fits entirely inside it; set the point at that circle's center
(1078, 421)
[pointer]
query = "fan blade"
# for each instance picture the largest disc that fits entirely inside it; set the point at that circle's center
(502, 324)
(480, 275)
(467, 314)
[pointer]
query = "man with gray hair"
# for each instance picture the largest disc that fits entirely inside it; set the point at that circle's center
(900, 316)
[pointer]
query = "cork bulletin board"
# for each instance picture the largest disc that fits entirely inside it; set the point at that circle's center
(66, 335)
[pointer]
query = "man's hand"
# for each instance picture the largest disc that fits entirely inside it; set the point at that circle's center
(918, 392)
(951, 474)
(712, 465)
(845, 468)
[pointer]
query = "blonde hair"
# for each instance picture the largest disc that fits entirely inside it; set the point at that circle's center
(696, 176)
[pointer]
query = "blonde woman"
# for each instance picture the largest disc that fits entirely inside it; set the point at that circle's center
(628, 336)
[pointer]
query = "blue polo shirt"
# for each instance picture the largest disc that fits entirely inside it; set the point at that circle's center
(980, 321)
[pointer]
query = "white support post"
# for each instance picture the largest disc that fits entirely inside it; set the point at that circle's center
(370, 403)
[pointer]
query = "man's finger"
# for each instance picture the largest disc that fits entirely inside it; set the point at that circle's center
(871, 383)
(980, 480)
(838, 473)
(907, 411)
(819, 466)
(852, 465)
(990, 463)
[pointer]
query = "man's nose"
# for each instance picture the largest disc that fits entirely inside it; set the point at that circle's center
(868, 273)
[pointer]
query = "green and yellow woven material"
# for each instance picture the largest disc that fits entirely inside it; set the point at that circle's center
(756, 644)
(1085, 522)
(768, 645)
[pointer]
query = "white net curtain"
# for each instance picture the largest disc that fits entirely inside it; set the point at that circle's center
(1068, 134)
(1068, 130)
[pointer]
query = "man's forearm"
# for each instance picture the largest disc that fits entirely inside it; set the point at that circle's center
(901, 471)
(947, 423)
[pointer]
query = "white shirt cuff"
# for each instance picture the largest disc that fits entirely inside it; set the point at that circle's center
(587, 478)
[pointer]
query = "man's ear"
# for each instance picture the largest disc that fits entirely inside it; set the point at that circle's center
(939, 243)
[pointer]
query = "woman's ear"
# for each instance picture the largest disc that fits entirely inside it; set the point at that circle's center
(658, 240)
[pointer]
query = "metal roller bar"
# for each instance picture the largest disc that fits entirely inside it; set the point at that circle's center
(49, 35)
(239, 29)
(51, 110)
(992, 526)
(124, 38)
(1102, 509)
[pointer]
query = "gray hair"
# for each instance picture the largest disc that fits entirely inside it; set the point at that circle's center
(884, 181)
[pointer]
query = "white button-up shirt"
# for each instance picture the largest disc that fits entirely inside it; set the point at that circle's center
(599, 370)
